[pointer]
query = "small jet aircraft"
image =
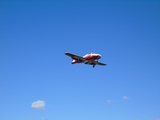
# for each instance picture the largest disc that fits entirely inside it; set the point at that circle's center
(90, 59)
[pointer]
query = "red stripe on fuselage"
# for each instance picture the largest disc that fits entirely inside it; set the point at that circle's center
(92, 57)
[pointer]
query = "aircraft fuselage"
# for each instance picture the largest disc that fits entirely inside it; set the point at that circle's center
(88, 58)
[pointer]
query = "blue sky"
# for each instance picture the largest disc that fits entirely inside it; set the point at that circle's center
(34, 37)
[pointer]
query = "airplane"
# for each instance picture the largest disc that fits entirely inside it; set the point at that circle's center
(90, 59)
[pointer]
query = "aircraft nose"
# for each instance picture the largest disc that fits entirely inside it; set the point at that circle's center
(99, 56)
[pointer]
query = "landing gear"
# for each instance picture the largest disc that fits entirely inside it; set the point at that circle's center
(93, 66)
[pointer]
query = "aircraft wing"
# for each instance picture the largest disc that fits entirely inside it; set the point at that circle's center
(75, 56)
(99, 63)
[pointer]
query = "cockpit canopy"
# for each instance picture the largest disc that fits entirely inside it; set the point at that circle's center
(90, 53)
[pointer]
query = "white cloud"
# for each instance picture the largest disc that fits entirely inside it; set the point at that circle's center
(125, 97)
(155, 119)
(38, 104)
(109, 101)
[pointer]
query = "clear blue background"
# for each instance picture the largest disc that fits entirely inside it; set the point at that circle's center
(34, 37)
